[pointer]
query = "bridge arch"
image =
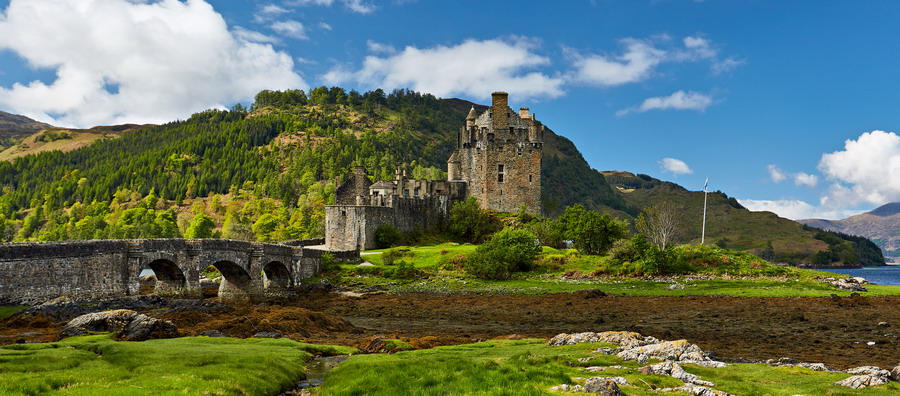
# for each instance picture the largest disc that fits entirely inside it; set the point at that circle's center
(236, 282)
(170, 279)
(276, 275)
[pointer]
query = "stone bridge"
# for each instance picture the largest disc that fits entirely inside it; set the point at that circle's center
(251, 271)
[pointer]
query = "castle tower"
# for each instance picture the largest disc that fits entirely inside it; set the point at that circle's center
(499, 157)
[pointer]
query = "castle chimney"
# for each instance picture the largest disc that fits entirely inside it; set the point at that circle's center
(523, 112)
(499, 106)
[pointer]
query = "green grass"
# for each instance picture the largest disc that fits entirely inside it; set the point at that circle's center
(531, 367)
(8, 310)
(438, 274)
(92, 365)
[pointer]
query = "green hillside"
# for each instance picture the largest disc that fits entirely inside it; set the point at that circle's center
(266, 173)
(730, 225)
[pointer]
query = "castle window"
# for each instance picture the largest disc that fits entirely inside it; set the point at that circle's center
(500, 173)
(416, 192)
(406, 192)
(529, 178)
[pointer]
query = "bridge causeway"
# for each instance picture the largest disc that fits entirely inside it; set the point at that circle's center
(251, 271)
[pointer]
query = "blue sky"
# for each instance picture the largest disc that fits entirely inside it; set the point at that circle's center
(787, 106)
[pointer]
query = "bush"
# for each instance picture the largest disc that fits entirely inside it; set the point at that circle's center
(391, 255)
(403, 270)
(387, 236)
(510, 250)
(592, 232)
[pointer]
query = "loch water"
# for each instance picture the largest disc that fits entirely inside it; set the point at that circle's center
(888, 275)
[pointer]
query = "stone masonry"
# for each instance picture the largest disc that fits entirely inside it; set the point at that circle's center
(497, 161)
(34, 272)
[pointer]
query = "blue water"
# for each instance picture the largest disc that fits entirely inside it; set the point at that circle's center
(889, 275)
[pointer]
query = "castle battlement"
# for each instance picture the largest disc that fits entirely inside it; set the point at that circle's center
(497, 161)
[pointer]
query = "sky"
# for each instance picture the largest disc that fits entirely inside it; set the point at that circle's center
(789, 107)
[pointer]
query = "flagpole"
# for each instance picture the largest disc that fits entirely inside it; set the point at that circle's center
(703, 232)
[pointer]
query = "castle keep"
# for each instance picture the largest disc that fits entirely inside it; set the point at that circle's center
(497, 161)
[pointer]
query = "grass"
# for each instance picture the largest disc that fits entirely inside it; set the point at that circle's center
(8, 310)
(565, 271)
(92, 365)
(531, 367)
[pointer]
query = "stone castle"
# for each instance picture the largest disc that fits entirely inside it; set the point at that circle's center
(497, 161)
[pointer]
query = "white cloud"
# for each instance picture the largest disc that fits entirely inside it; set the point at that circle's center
(680, 100)
(776, 174)
(675, 166)
(796, 209)
(290, 28)
(165, 60)
(640, 59)
(473, 67)
(253, 36)
(324, 26)
(377, 47)
(804, 179)
(636, 64)
(268, 12)
(357, 6)
(866, 171)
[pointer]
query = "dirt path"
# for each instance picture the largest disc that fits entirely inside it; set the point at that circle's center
(835, 331)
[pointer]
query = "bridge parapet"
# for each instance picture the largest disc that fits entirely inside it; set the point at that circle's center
(34, 272)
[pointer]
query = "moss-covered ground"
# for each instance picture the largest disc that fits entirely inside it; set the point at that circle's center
(97, 365)
(438, 270)
(531, 367)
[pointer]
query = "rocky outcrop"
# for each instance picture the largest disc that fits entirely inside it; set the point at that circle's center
(673, 370)
(125, 324)
(633, 346)
(850, 284)
(862, 381)
(606, 386)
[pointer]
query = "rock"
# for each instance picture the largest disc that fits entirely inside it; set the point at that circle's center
(849, 284)
(675, 286)
(568, 388)
(366, 264)
(606, 386)
(212, 333)
(884, 324)
(125, 323)
(589, 293)
(697, 390)
(862, 381)
(895, 374)
(673, 370)
(816, 367)
(623, 338)
(869, 370)
(860, 280)
(267, 334)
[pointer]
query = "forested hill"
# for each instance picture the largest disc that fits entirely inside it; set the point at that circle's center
(14, 127)
(261, 173)
(730, 225)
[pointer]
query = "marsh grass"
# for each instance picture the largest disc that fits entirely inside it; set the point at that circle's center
(93, 365)
(8, 310)
(531, 367)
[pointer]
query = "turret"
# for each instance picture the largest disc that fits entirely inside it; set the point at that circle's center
(470, 119)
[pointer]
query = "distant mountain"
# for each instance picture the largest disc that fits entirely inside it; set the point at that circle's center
(881, 225)
(14, 127)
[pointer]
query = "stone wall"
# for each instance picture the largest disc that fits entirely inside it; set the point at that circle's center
(34, 272)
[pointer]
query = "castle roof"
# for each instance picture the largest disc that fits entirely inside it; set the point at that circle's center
(382, 185)
(454, 157)
(472, 114)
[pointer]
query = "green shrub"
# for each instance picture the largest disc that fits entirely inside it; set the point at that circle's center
(510, 250)
(392, 255)
(403, 270)
(387, 236)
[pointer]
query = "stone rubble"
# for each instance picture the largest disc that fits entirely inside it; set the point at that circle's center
(125, 323)
(673, 370)
(697, 390)
(850, 284)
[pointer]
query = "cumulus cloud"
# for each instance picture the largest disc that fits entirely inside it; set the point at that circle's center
(640, 59)
(290, 28)
(776, 174)
(122, 61)
(376, 47)
(269, 11)
(680, 100)
(473, 67)
(357, 6)
(804, 179)
(866, 171)
(324, 26)
(675, 166)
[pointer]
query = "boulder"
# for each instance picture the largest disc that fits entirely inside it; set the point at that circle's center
(124, 323)
(623, 338)
(667, 350)
(673, 370)
(697, 390)
(869, 370)
(606, 386)
(849, 284)
(895, 374)
(862, 381)
(267, 334)
(212, 333)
